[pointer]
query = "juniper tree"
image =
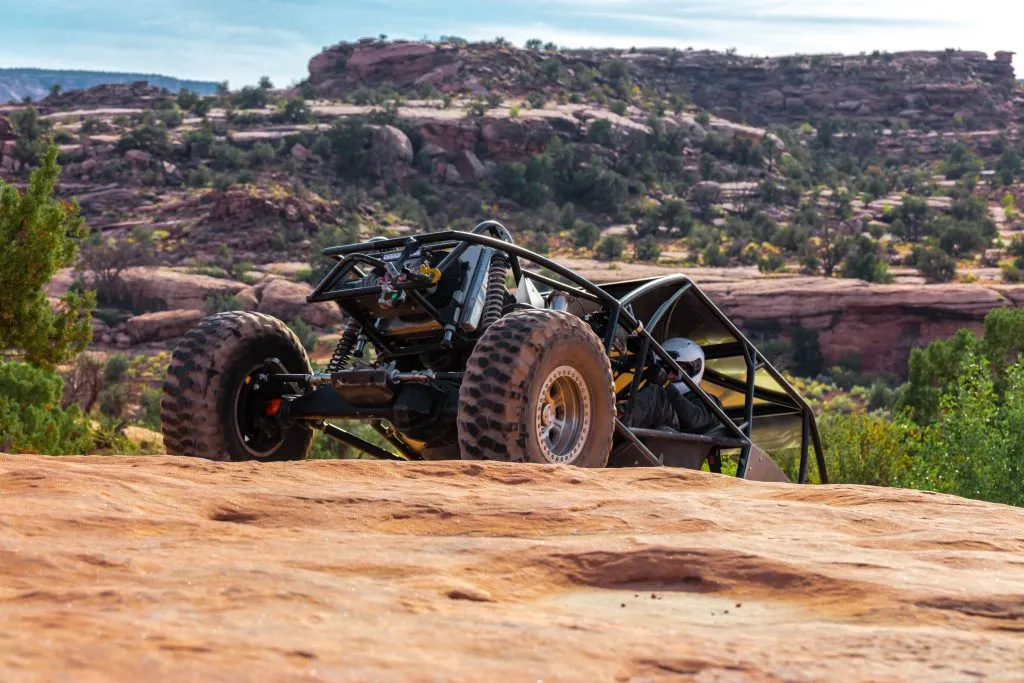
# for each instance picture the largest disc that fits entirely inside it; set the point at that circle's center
(40, 236)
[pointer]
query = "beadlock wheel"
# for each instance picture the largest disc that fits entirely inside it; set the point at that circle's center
(563, 415)
(538, 388)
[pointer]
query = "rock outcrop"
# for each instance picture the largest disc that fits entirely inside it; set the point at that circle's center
(947, 89)
(158, 289)
(139, 94)
(162, 325)
(167, 569)
(879, 324)
(287, 300)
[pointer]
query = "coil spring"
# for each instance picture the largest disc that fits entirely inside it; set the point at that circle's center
(496, 291)
(343, 351)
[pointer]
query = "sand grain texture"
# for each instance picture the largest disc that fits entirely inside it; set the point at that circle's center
(154, 569)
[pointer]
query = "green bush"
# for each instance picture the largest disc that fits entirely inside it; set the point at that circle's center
(610, 248)
(869, 449)
(306, 334)
(586, 235)
(934, 264)
(221, 303)
(200, 142)
(295, 110)
(149, 413)
(647, 249)
(251, 98)
(326, 448)
(261, 154)
(149, 137)
(31, 417)
(864, 261)
(201, 177)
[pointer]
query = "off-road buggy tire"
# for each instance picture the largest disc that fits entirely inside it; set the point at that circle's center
(208, 370)
(500, 415)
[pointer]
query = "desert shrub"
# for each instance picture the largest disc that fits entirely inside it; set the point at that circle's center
(105, 258)
(601, 132)
(200, 142)
(295, 110)
(149, 137)
(610, 248)
(201, 177)
(862, 448)
(227, 157)
(306, 334)
(115, 369)
(326, 448)
(770, 260)
(934, 264)
(31, 417)
(864, 261)
(880, 396)
(959, 237)
(187, 99)
(349, 143)
(647, 249)
(170, 117)
(329, 236)
(149, 409)
(962, 162)
(713, 256)
(808, 360)
(92, 125)
(251, 98)
(586, 235)
(261, 154)
(221, 303)
(538, 242)
(224, 181)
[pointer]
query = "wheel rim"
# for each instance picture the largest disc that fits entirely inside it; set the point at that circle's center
(259, 434)
(562, 417)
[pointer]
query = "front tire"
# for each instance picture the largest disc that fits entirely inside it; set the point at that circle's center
(214, 405)
(538, 388)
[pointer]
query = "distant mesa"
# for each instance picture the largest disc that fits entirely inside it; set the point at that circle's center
(17, 84)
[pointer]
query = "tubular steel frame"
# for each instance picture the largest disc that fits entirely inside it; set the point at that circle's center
(788, 402)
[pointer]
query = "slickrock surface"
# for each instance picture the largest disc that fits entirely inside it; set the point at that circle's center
(132, 569)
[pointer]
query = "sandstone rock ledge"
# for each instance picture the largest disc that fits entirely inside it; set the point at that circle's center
(119, 569)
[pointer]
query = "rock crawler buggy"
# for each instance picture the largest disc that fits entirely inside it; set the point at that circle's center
(477, 356)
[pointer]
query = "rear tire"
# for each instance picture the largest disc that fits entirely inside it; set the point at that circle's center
(213, 404)
(538, 388)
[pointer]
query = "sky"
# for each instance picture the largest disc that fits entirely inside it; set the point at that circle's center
(241, 40)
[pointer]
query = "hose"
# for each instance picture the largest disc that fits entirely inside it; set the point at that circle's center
(496, 291)
(343, 351)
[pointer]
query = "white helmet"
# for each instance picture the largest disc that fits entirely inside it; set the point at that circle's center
(690, 357)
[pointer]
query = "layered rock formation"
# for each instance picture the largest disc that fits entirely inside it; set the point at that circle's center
(879, 324)
(935, 89)
(169, 569)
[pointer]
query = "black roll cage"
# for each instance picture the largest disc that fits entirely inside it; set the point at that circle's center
(788, 402)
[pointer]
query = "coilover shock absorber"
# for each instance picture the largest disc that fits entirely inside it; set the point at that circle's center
(496, 292)
(343, 351)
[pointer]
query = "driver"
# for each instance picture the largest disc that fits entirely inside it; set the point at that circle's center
(666, 401)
